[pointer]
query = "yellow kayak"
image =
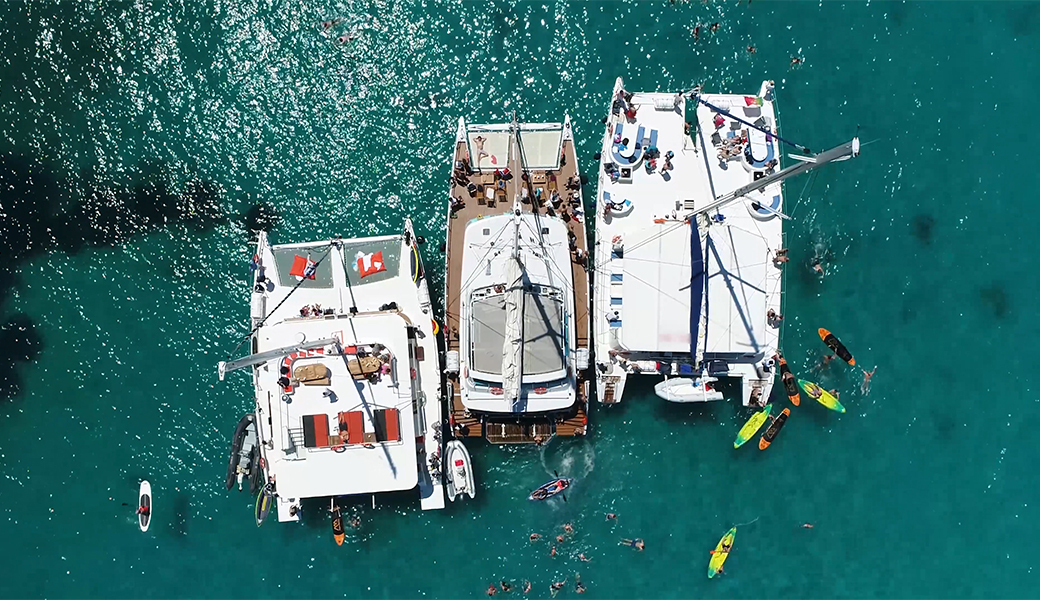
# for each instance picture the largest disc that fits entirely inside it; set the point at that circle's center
(719, 556)
(821, 395)
(752, 426)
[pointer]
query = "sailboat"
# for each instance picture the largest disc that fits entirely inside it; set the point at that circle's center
(517, 287)
(692, 208)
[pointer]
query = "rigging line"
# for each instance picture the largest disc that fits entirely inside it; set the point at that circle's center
(475, 272)
(648, 240)
(287, 296)
(723, 111)
(808, 184)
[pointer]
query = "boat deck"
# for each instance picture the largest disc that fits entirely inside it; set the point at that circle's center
(494, 198)
(655, 252)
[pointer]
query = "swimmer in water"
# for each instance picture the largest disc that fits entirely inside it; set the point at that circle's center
(714, 27)
(611, 516)
(584, 558)
(535, 537)
(527, 586)
(568, 528)
(559, 539)
(696, 32)
(865, 388)
(807, 526)
(795, 61)
(505, 586)
(553, 551)
(327, 25)
(492, 590)
(636, 543)
(751, 49)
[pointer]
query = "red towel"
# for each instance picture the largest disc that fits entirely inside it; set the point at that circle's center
(355, 428)
(303, 267)
(393, 428)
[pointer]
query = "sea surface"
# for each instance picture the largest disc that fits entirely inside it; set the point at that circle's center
(141, 140)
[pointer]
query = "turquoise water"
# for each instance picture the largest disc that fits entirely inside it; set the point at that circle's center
(138, 137)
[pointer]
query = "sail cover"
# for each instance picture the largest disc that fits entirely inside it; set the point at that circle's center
(697, 280)
(513, 342)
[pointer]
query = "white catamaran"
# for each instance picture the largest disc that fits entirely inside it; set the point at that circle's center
(516, 293)
(345, 370)
(689, 220)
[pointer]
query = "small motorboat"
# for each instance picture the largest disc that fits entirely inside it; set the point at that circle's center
(551, 488)
(245, 455)
(144, 505)
(682, 389)
(458, 473)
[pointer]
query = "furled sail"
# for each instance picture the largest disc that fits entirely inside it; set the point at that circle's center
(513, 345)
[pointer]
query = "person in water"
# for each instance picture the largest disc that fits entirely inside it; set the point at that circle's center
(559, 539)
(611, 516)
(535, 537)
(568, 528)
(527, 586)
(865, 388)
(492, 590)
(807, 526)
(506, 587)
(584, 558)
(636, 543)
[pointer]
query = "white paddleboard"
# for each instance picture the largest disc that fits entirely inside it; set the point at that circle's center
(144, 498)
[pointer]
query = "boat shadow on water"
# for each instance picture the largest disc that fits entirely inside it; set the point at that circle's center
(181, 513)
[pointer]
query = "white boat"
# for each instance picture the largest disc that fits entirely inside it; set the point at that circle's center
(690, 212)
(516, 291)
(345, 370)
(682, 389)
(458, 476)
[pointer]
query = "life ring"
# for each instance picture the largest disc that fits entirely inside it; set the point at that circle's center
(339, 449)
(436, 327)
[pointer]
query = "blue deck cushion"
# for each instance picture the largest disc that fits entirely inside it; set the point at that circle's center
(637, 155)
(615, 324)
(775, 206)
(757, 162)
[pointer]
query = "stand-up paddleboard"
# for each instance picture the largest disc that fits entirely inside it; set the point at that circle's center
(264, 502)
(835, 344)
(752, 426)
(821, 395)
(722, 550)
(788, 380)
(337, 525)
(773, 429)
(144, 505)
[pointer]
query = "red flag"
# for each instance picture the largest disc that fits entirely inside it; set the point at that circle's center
(370, 264)
(303, 267)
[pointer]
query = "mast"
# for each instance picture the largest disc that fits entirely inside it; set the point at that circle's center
(515, 297)
(845, 151)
